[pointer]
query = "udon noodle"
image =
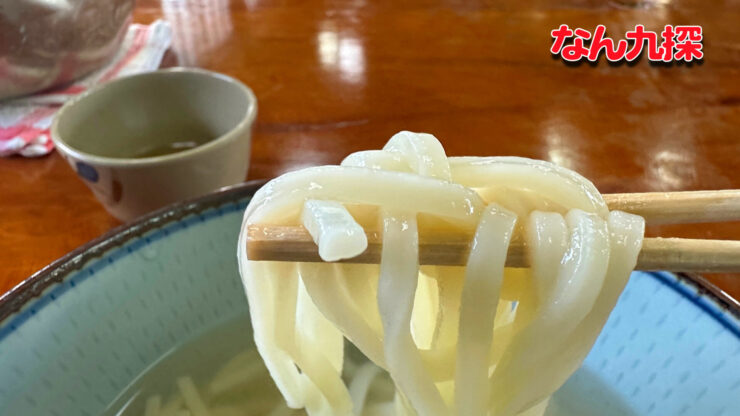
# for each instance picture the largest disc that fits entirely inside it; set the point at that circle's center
(480, 339)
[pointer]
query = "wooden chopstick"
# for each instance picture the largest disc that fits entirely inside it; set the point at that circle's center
(294, 243)
(679, 207)
(281, 243)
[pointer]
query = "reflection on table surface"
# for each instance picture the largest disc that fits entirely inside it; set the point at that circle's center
(333, 77)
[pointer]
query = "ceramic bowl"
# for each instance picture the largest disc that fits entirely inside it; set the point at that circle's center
(148, 140)
(76, 334)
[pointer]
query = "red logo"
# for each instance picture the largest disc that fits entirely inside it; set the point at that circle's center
(674, 43)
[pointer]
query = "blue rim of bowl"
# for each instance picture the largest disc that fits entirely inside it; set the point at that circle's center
(56, 272)
(708, 297)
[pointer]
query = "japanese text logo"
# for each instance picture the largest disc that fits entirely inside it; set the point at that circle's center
(674, 43)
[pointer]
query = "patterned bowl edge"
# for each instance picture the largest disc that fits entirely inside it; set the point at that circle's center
(54, 273)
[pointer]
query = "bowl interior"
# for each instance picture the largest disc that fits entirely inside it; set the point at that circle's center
(153, 114)
(666, 350)
(77, 347)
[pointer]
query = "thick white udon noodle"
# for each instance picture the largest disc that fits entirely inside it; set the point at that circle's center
(476, 340)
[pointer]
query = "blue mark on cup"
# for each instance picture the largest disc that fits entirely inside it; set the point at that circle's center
(87, 172)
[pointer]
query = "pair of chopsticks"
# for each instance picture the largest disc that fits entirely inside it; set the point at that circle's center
(293, 243)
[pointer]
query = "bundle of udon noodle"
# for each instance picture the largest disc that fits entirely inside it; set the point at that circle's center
(480, 339)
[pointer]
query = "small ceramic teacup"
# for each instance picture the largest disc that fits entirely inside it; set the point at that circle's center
(148, 140)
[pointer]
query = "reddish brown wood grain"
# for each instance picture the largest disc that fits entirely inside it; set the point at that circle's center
(337, 76)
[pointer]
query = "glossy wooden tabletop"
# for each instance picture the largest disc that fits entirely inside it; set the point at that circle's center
(336, 76)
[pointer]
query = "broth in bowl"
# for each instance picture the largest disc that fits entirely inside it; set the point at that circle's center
(220, 373)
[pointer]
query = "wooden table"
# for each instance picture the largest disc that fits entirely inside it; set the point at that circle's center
(338, 76)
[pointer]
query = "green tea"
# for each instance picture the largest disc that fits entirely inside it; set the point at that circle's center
(164, 140)
(167, 148)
